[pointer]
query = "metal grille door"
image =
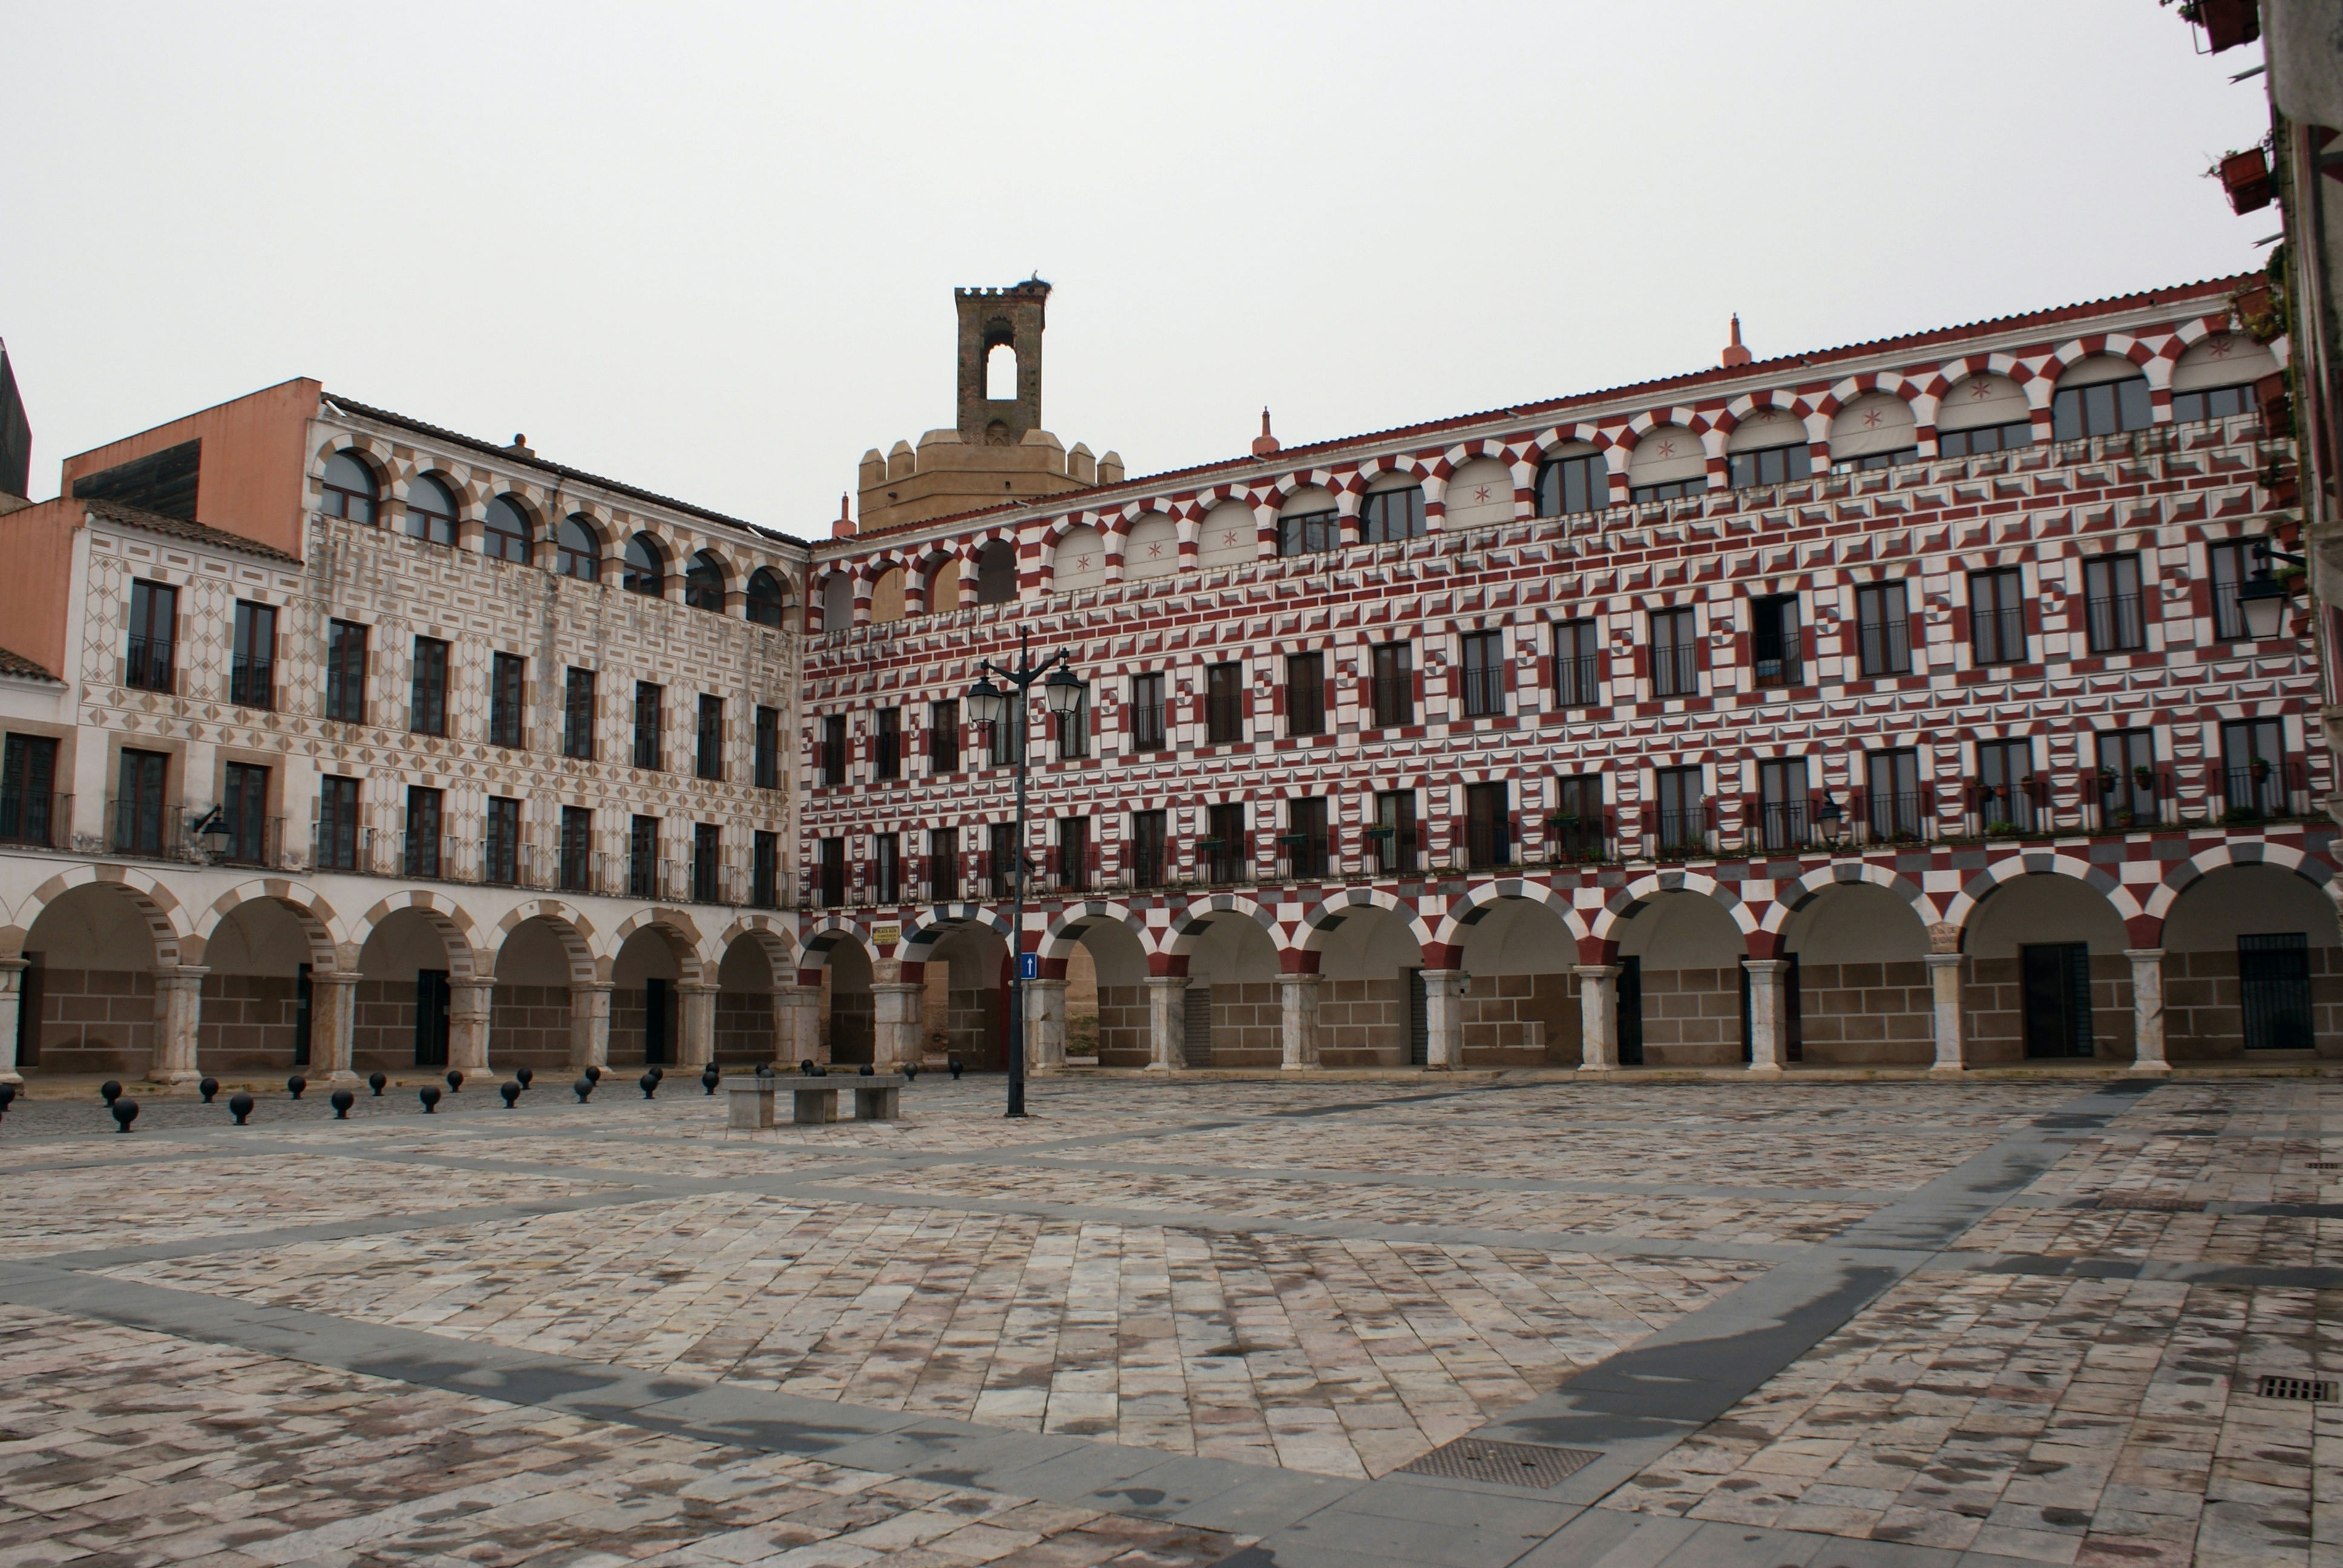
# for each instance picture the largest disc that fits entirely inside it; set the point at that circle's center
(2056, 979)
(1629, 998)
(1199, 1019)
(2274, 988)
(1419, 1021)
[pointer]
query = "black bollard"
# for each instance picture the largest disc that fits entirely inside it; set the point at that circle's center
(241, 1103)
(658, 1075)
(648, 1084)
(910, 1072)
(511, 1091)
(593, 1074)
(710, 1078)
(8, 1097)
(342, 1100)
(126, 1112)
(805, 1065)
(208, 1086)
(109, 1091)
(524, 1077)
(584, 1086)
(954, 1063)
(294, 1085)
(455, 1081)
(430, 1095)
(375, 1081)
(867, 1071)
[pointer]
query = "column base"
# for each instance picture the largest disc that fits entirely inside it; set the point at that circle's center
(180, 1080)
(1949, 1069)
(10, 1075)
(1297, 1067)
(1159, 1067)
(2149, 1070)
(345, 1078)
(1597, 1067)
(1769, 1069)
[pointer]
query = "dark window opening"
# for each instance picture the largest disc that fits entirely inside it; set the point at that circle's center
(1998, 617)
(500, 844)
(337, 824)
(2111, 598)
(1074, 853)
(1148, 836)
(421, 849)
(1772, 466)
(1305, 694)
(1223, 852)
(1676, 654)
(1309, 533)
(1148, 729)
(350, 489)
(164, 481)
(1484, 674)
(2055, 986)
(427, 688)
(1782, 803)
(2128, 779)
(1982, 438)
(706, 861)
(1775, 649)
(1567, 484)
(1576, 673)
(832, 868)
(943, 864)
(1393, 685)
(1388, 517)
(1488, 825)
(578, 714)
(647, 725)
(144, 820)
(151, 660)
(767, 760)
(2004, 786)
(430, 511)
(31, 809)
(252, 660)
(765, 870)
(346, 671)
(1892, 795)
(642, 858)
(2107, 409)
(1302, 845)
(943, 738)
(505, 531)
(577, 869)
(1684, 811)
(2254, 768)
(244, 810)
(1398, 844)
(1224, 705)
(832, 757)
(2273, 991)
(707, 748)
(1883, 630)
(508, 700)
(2211, 403)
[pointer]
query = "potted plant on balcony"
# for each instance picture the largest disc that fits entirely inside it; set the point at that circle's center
(2260, 767)
(2245, 176)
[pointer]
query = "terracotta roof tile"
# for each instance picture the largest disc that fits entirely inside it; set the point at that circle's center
(23, 669)
(181, 528)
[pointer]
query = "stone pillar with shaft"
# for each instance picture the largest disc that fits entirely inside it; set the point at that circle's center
(468, 1001)
(898, 1010)
(1769, 1013)
(788, 1008)
(12, 1002)
(1045, 1025)
(589, 1023)
(333, 1026)
(2148, 1011)
(812, 1045)
(1443, 1019)
(1297, 1021)
(1944, 961)
(1598, 1017)
(697, 1012)
(1167, 1022)
(178, 1010)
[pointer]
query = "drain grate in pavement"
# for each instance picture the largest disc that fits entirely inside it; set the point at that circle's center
(1506, 1463)
(2275, 1386)
(2158, 1206)
(2327, 1165)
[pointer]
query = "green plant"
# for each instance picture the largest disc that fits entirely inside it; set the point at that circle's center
(2000, 828)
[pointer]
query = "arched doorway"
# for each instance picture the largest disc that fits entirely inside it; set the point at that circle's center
(1233, 990)
(405, 1006)
(967, 979)
(1106, 993)
(87, 993)
(256, 1014)
(2047, 977)
(530, 1017)
(1370, 1007)
(2252, 968)
(1679, 974)
(748, 1008)
(848, 1009)
(1520, 1006)
(1858, 955)
(647, 1000)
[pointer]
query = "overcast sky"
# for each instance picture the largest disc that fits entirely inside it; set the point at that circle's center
(710, 249)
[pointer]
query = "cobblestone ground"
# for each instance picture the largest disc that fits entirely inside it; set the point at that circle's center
(1325, 1279)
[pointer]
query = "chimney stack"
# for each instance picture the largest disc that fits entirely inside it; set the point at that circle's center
(1264, 445)
(1734, 355)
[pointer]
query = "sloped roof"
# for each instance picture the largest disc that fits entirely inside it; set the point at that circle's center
(22, 668)
(181, 528)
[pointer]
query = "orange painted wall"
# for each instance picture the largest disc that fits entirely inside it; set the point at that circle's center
(37, 543)
(252, 481)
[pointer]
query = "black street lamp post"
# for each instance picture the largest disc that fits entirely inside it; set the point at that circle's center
(988, 704)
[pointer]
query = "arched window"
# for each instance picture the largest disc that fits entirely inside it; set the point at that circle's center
(703, 583)
(996, 573)
(1580, 483)
(350, 489)
(1769, 447)
(577, 553)
(431, 511)
(766, 598)
(2099, 397)
(644, 569)
(1390, 516)
(836, 602)
(1983, 413)
(505, 531)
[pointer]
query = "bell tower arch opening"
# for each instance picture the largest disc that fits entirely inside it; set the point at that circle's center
(1000, 361)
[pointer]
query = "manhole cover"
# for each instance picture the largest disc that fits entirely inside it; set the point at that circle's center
(2159, 1205)
(1506, 1463)
(2274, 1386)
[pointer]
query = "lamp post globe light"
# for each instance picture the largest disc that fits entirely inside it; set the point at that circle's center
(989, 704)
(2262, 599)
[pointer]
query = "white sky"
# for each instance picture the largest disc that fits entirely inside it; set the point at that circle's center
(710, 249)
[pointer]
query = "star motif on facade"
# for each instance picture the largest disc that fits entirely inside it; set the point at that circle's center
(1871, 418)
(1154, 550)
(1081, 563)
(1229, 540)
(1480, 492)
(1667, 449)
(2220, 348)
(1978, 390)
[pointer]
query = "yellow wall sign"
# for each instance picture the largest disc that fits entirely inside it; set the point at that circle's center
(885, 936)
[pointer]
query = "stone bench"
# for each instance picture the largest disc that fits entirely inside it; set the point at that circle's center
(879, 1098)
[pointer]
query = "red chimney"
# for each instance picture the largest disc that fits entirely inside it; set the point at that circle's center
(1734, 355)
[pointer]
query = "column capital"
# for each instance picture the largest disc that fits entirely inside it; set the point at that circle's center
(1597, 972)
(334, 976)
(1168, 982)
(2143, 955)
(14, 966)
(1942, 961)
(590, 986)
(1766, 966)
(180, 972)
(696, 988)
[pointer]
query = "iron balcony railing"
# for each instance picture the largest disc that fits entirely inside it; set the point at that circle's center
(1394, 850)
(146, 828)
(2116, 623)
(1147, 727)
(1488, 844)
(34, 820)
(1393, 700)
(150, 664)
(2008, 811)
(2263, 788)
(1779, 825)
(251, 683)
(1675, 671)
(1223, 859)
(1484, 691)
(1884, 647)
(1301, 854)
(1889, 817)
(1574, 836)
(1575, 682)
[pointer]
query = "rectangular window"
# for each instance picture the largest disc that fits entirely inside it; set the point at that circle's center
(1305, 694)
(767, 763)
(1074, 853)
(1148, 835)
(2128, 779)
(2253, 762)
(707, 748)
(1484, 674)
(2211, 403)
(2233, 568)
(1388, 517)
(1782, 803)
(31, 812)
(421, 858)
(1398, 847)
(647, 725)
(943, 738)
(1488, 825)
(252, 661)
(707, 862)
(577, 849)
(642, 858)
(144, 823)
(1892, 795)
(2112, 603)
(1223, 850)
(2105, 409)
(1393, 685)
(1979, 439)
(244, 810)
(1998, 617)
(1075, 729)
(2273, 991)
(578, 714)
(1000, 858)
(500, 844)
(346, 671)
(1673, 490)
(887, 743)
(1883, 630)
(1772, 466)
(1675, 658)
(1776, 647)
(1309, 533)
(337, 824)
(1576, 648)
(427, 688)
(765, 870)
(1302, 845)
(832, 865)
(1147, 727)
(1224, 705)
(1684, 812)
(832, 754)
(1577, 823)
(2054, 993)
(2005, 787)
(1004, 738)
(1567, 484)
(508, 700)
(886, 869)
(150, 662)
(943, 864)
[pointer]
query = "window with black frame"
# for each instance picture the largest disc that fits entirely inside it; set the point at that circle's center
(1309, 533)
(642, 858)
(1574, 484)
(144, 822)
(150, 661)
(505, 531)
(1484, 672)
(2107, 409)
(337, 824)
(1775, 648)
(31, 812)
(2233, 568)
(349, 489)
(1576, 827)
(252, 658)
(1670, 490)
(1074, 853)
(430, 511)
(2203, 403)
(1488, 826)
(943, 738)
(2253, 765)
(708, 739)
(1390, 516)
(1000, 858)
(500, 842)
(1675, 653)
(830, 754)
(1782, 819)
(421, 849)
(346, 671)
(1223, 851)
(577, 849)
(1396, 843)
(2126, 778)
(508, 700)
(1148, 729)
(1302, 845)
(1981, 438)
(1882, 624)
(1392, 685)
(1682, 812)
(1073, 728)
(1771, 464)
(2112, 604)
(647, 750)
(765, 870)
(765, 751)
(1998, 617)
(1577, 668)
(1305, 694)
(427, 688)
(1892, 795)
(830, 866)
(1224, 705)
(943, 864)
(2005, 787)
(1149, 832)
(1004, 738)
(707, 862)
(243, 810)
(578, 714)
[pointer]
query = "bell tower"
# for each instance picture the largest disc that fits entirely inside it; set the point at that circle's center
(991, 318)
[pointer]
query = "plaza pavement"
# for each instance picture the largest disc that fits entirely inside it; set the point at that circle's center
(1448, 1320)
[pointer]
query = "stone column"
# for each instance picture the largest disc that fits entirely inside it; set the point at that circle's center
(12, 1001)
(468, 1025)
(1598, 1017)
(178, 1009)
(697, 1016)
(589, 1023)
(333, 1025)
(1167, 1022)
(794, 1025)
(2147, 1010)
(1769, 1014)
(898, 1016)
(1443, 1019)
(1297, 1021)
(1045, 1025)
(1945, 986)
